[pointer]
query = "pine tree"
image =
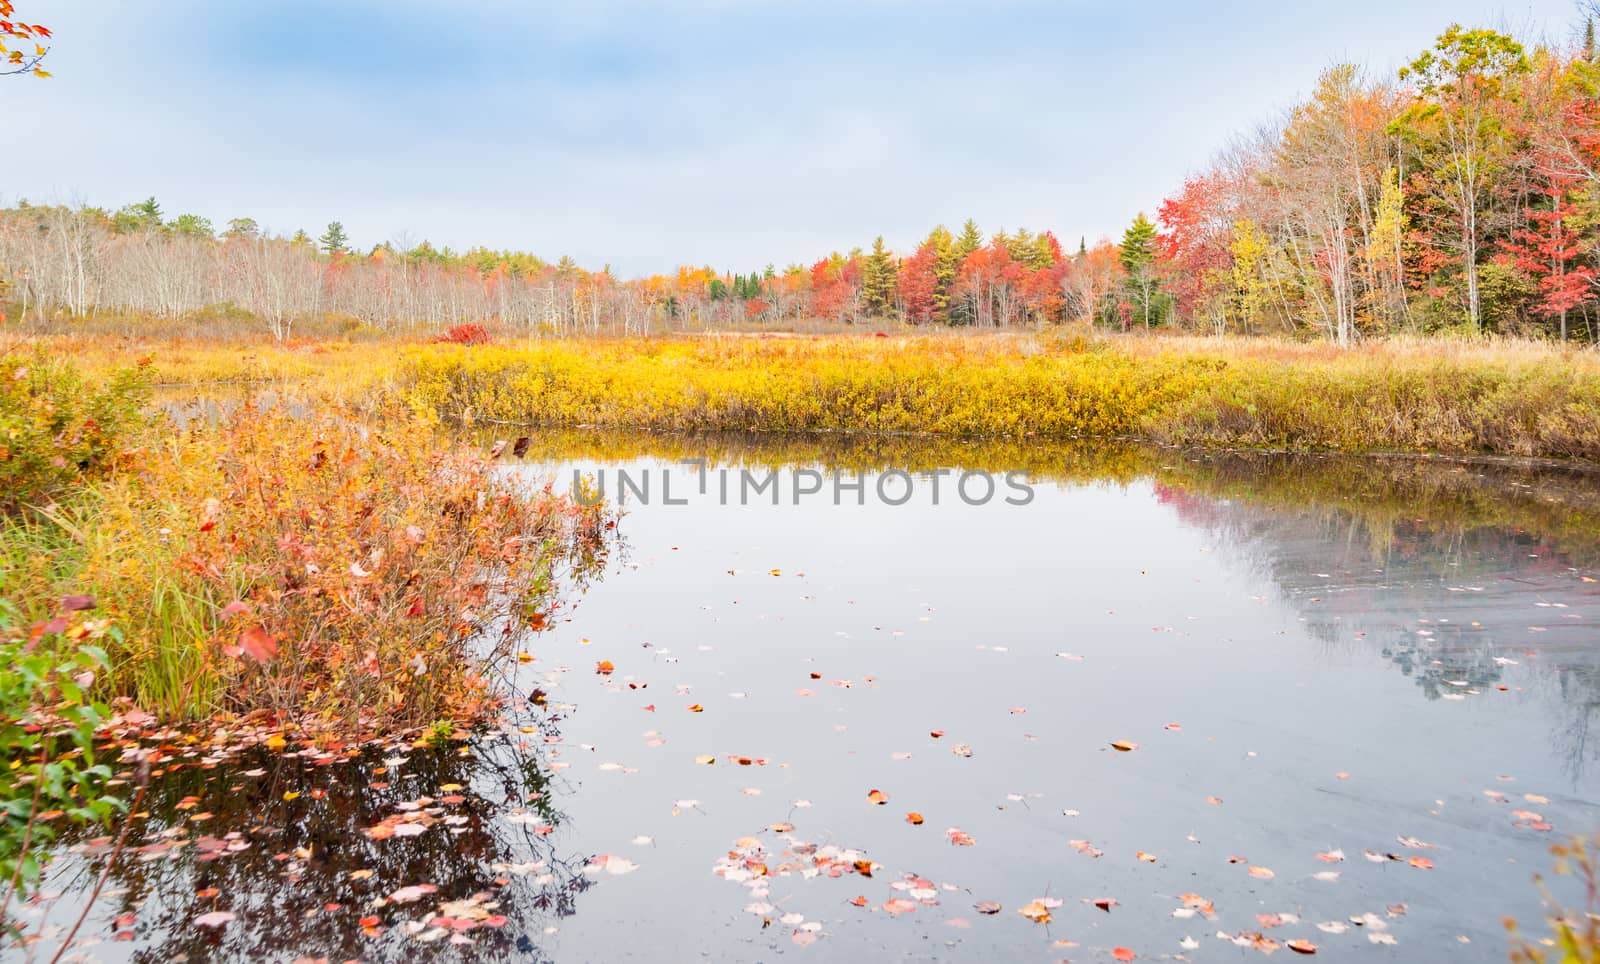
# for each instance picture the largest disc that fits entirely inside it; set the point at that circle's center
(335, 241)
(1138, 257)
(971, 239)
(879, 275)
(945, 260)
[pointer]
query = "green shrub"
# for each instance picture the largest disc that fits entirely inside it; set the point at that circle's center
(47, 726)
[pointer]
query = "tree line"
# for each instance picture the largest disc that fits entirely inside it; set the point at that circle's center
(60, 262)
(1463, 193)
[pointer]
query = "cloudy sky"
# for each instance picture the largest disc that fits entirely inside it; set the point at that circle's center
(645, 135)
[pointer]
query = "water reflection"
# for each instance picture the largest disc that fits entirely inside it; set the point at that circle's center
(284, 841)
(1468, 585)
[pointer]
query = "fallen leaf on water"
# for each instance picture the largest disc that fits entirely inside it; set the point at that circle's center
(605, 667)
(1147, 858)
(616, 866)
(1262, 873)
(1122, 954)
(1421, 863)
(1105, 903)
(1036, 912)
(899, 905)
(1301, 947)
(860, 901)
(986, 907)
(706, 760)
(961, 749)
(914, 818)
(878, 797)
(696, 708)
(1126, 746)
(214, 919)
(1332, 856)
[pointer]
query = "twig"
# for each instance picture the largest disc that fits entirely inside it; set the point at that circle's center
(27, 833)
(105, 872)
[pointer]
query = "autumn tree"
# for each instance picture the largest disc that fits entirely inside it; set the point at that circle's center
(1549, 250)
(1195, 242)
(1456, 123)
(22, 47)
(918, 284)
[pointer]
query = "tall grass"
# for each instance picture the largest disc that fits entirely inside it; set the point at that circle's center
(1483, 398)
(337, 572)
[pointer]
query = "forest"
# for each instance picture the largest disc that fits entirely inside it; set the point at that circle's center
(1460, 195)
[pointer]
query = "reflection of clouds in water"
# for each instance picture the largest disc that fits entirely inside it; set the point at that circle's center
(1462, 612)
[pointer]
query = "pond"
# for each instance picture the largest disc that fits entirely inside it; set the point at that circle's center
(1173, 704)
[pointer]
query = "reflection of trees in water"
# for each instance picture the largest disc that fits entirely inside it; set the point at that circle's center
(302, 853)
(1445, 603)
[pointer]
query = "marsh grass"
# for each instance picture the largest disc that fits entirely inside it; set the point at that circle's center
(1408, 395)
(340, 569)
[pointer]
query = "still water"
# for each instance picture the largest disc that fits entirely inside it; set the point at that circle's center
(1174, 705)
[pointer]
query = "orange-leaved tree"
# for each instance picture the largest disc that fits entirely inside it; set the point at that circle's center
(15, 39)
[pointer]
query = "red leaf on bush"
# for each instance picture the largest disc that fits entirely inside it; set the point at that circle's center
(258, 644)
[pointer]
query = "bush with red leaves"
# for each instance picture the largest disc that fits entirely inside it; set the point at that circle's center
(469, 334)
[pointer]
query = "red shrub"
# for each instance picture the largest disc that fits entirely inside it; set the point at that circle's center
(469, 334)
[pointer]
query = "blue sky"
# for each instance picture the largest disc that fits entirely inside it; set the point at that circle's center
(648, 134)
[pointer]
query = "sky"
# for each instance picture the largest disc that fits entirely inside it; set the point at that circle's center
(728, 133)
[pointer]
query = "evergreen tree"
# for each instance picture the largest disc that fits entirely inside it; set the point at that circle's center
(971, 239)
(944, 270)
(143, 216)
(335, 241)
(879, 276)
(1138, 257)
